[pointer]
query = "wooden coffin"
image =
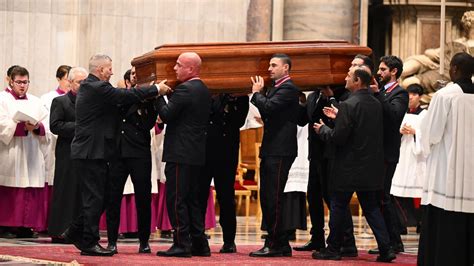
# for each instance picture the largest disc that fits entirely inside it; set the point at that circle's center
(227, 67)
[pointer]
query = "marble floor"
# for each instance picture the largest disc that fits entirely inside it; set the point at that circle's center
(248, 233)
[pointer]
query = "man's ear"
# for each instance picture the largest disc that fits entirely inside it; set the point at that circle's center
(394, 71)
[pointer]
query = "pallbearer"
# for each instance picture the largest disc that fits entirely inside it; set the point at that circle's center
(278, 105)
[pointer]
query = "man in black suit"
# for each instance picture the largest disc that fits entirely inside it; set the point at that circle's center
(134, 159)
(279, 107)
(228, 114)
(187, 116)
(394, 100)
(320, 156)
(66, 201)
(94, 146)
(358, 165)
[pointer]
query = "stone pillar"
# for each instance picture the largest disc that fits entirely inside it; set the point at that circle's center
(259, 19)
(318, 19)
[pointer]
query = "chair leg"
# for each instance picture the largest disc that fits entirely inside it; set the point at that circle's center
(247, 206)
(239, 203)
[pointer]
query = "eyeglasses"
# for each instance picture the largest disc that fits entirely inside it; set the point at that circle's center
(21, 82)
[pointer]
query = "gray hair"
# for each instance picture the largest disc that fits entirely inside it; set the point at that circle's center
(97, 60)
(72, 73)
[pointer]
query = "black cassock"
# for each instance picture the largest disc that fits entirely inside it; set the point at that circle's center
(65, 205)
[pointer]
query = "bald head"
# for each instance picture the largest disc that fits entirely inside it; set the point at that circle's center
(187, 66)
(358, 78)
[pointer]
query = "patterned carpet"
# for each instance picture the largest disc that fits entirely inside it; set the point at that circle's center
(128, 255)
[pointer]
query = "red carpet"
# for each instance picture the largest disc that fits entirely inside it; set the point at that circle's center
(128, 255)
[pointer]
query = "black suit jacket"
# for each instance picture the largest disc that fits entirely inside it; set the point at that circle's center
(135, 123)
(311, 113)
(97, 117)
(186, 115)
(358, 136)
(62, 123)
(227, 116)
(279, 110)
(394, 105)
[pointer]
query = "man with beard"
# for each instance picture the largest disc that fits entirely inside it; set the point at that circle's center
(394, 100)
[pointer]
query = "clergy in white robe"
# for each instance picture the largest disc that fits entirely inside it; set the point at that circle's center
(22, 167)
(447, 235)
(409, 175)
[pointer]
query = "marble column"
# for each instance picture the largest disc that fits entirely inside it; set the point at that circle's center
(259, 19)
(318, 19)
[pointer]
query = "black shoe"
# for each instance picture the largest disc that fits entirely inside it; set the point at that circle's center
(24, 232)
(201, 252)
(144, 248)
(96, 250)
(373, 251)
(397, 248)
(326, 254)
(309, 246)
(272, 252)
(175, 251)
(386, 256)
(72, 237)
(112, 247)
(228, 248)
(8, 235)
(349, 252)
(166, 234)
(200, 247)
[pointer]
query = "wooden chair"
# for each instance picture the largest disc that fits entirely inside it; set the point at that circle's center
(257, 178)
(241, 191)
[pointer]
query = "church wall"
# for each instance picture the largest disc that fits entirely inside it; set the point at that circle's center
(43, 34)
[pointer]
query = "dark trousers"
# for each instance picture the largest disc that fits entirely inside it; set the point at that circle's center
(94, 176)
(139, 170)
(370, 203)
(223, 171)
(317, 192)
(182, 202)
(273, 176)
(388, 208)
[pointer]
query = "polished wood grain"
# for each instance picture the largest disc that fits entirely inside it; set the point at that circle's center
(229, 66)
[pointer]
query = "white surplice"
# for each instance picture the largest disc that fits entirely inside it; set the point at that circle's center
(410, 172)
(448, 140)
(299, 172)
(50, 145)
(21, 158)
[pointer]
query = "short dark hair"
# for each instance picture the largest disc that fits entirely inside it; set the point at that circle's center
(415, 88)
(62, 71)
(127, 74)
(10, 69)
(367, 61)
(393, 62)
(465, 64)
(19, 71)
(363, 75)
(285, 58)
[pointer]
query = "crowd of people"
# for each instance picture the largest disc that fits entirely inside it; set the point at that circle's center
(65, 159)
